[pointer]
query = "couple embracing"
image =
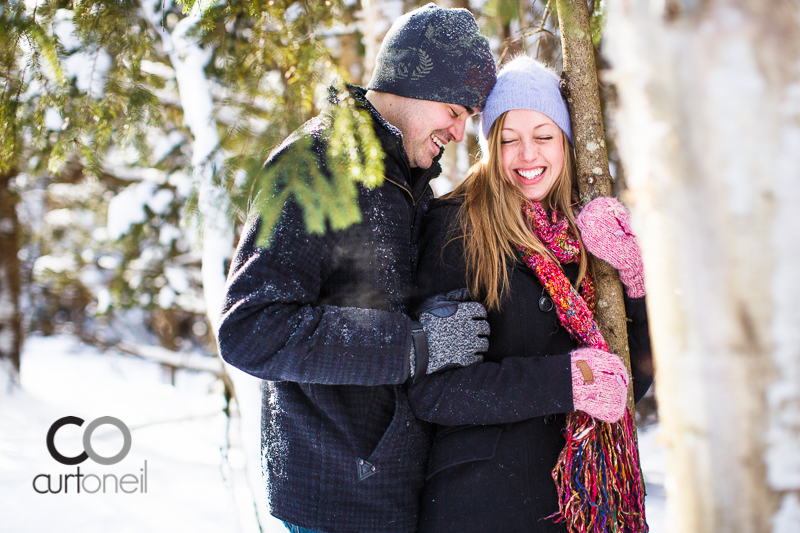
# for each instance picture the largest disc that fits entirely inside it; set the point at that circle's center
(419, 365)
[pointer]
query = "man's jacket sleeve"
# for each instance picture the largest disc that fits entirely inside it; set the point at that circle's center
(273, 328)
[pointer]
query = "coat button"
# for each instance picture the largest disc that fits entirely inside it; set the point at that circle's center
(545, 304)
(550, 420)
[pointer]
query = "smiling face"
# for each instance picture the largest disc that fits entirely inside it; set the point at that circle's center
(532, 152)
(427, 126)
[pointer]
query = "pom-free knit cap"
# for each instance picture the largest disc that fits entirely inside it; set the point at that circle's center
(525, 83)
(436, 54)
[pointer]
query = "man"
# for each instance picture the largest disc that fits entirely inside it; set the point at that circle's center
(323, 318)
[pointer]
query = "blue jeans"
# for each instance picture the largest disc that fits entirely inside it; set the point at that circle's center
(297, 529)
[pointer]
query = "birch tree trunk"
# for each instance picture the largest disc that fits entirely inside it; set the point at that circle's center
(189, 59)
(370, 11)
(594, 179)
(709, 133)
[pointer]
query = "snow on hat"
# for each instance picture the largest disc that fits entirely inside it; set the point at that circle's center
(525, 83)
(436, 54)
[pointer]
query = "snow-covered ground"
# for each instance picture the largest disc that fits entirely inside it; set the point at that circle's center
(179, 431)
(653, 457)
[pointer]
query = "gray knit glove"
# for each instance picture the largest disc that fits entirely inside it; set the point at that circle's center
(451, 332)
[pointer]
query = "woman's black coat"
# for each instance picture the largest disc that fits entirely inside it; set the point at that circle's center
(499, 423)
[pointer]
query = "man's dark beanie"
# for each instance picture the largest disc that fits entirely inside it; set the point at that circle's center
(436, 54)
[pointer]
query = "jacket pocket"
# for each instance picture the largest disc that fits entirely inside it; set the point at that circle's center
(463, 445)
(393, 436)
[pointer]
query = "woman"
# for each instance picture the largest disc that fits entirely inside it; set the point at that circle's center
(505, 233)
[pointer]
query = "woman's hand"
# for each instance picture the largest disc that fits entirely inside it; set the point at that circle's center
(599, 384)
(606, 233)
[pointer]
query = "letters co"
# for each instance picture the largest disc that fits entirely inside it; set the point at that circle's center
(87, 441)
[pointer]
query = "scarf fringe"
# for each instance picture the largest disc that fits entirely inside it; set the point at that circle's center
(598, 477)
(598, 474)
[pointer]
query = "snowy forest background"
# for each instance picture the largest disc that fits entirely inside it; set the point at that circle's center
(133, 133)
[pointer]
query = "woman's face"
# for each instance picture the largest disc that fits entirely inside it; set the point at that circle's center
(532, 152)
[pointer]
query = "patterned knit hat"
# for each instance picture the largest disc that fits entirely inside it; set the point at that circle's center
(525, 83)
(436, 54)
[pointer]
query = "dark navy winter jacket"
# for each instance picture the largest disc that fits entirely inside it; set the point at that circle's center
(498, 425)
(323, 319)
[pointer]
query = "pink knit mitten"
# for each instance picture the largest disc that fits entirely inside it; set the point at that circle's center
(599, 384)
(606, 233)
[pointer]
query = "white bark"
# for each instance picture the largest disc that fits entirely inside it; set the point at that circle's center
(375, 20)
(243, 453)
(369, 13)
(709, 130)
(189, 61)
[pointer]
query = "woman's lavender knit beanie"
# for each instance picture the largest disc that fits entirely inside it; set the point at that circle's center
(525, 83)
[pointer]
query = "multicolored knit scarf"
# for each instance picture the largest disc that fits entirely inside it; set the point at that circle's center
(598, 476)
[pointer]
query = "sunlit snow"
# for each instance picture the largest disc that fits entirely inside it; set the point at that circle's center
(180, 430)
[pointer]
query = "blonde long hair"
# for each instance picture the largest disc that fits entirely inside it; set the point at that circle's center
(491, 221)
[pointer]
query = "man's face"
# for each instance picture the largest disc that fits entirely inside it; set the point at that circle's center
(428, 126)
